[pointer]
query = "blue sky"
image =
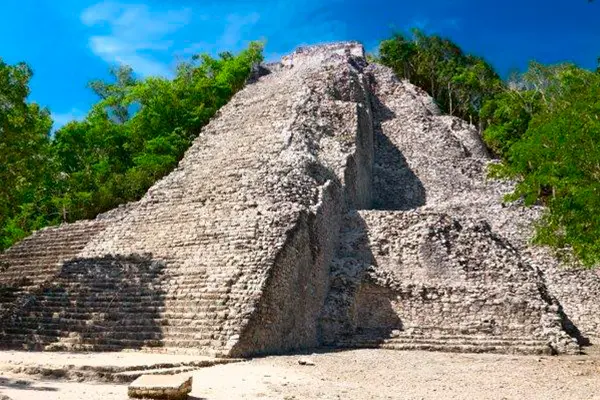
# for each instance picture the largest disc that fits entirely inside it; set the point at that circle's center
(70, 42)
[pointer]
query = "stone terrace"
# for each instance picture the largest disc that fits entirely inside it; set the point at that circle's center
(327, 204)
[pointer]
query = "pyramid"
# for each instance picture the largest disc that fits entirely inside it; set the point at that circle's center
(328, 203)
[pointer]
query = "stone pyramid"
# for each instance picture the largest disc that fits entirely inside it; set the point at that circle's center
(327, 204)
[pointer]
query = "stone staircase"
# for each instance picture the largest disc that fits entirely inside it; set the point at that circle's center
(215, 257)
(241, 229)
(447, 342)
(35, 262)
(38, 258)
(103, 304)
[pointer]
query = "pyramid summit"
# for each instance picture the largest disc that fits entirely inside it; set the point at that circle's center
(327, 204)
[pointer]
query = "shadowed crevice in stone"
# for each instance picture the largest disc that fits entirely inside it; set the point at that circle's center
(572, 329)
(355, 306)
(396, 186)
(567, 324)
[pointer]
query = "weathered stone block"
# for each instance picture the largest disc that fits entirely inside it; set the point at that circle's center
(167, 387)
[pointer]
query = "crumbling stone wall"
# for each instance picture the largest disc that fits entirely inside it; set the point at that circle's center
(438, 259)
(577, 289)
(428, 274)
(457, 276)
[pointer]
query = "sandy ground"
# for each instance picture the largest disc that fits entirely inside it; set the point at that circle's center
(123, 359)
(362, 374)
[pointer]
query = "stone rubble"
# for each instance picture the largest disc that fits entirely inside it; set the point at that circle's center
(328, 203)
(306, 361)
(160, 387)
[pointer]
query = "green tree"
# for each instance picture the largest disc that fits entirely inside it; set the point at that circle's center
(25, 159)
(140, 129)
(460, 83)
(136, 133)
(113, 95)
(553, 150)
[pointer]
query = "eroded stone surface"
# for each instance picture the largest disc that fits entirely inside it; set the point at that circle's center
(217, 254)
(167, 387)
(253, 244)
(444, 264)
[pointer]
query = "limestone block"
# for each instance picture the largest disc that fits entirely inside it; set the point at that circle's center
(167, 387)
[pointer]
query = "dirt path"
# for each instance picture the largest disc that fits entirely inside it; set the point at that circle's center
(362, 374)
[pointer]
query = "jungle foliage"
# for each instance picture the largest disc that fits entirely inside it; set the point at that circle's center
(459, 82)
(135, 134)
(546, 128)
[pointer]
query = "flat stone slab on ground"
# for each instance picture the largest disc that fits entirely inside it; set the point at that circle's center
(124, 359)
(105, 367)
(168, 387)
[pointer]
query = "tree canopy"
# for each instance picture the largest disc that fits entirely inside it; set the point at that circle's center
(547, 130)
(460, 83)
(25, 155)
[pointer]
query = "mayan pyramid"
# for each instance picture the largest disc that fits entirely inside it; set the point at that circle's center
(328, 204)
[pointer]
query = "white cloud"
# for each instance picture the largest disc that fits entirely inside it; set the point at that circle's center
(237, 27)
(135, 32)
(100, 12)
(281, 24)
(61, 119)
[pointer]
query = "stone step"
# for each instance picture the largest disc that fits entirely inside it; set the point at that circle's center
(155, 302)
(160, 325)
(65, 333)
(147, 330)
(454, 344)
(471, 348)
(142, 292)
(135, 314)
(47, 248)
(176, 346)
(41, 252)
(491, 342)
(198, 332)
(446, 337)
(41, 339)
(134, 318)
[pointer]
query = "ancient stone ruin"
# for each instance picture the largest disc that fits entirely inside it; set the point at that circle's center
(327, 204)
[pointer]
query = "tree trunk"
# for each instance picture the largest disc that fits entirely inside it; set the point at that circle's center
(450, 98)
